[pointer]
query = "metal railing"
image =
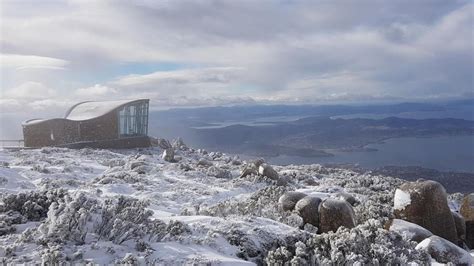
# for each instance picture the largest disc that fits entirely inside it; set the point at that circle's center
(12, 142)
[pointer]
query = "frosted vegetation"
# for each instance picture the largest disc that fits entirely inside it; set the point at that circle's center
(177, 205)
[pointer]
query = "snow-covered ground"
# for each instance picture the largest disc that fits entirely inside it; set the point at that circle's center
(130, 206)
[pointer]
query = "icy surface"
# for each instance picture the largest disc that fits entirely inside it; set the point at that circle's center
(401, 199)
(131, 206)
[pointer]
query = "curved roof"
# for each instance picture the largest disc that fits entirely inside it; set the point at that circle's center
(90, 110)
(33, 121)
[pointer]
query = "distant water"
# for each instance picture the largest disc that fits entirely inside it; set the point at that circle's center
(449, 153)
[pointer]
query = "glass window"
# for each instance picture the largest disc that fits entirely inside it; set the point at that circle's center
(133, 120)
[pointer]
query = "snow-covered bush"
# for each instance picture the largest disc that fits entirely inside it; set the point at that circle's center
(68, 219)
(262, 203)
(176, 228)
(123, 220)
(118, 175)
(218, 172)
(33, 205)
(367, 243)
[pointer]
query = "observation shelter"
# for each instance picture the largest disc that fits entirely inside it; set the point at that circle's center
(107, 124)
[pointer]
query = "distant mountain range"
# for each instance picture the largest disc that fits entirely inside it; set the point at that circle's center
(307, 130)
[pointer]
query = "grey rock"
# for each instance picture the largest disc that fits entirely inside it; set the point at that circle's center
(268, 171)
(335, 213)
(444, 251)
(307, 208)
(460, 224)
(288, 200)
(412, 231)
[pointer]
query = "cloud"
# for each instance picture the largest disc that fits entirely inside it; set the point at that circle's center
(95, 91)
(31, 90)
(271, 51)
(202, 75)
(19, 62)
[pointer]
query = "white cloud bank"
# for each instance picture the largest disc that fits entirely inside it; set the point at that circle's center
(239, 51)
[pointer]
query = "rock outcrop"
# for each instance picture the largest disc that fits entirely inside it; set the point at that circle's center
(308, 209)
(444, 251)
(460, 224)
(467, 211)
(268, 171)
(288, 200)
(335, 213)
(411, 231)
(425, 203)
(467, 207)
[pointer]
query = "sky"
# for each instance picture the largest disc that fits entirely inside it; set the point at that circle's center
(205, 53)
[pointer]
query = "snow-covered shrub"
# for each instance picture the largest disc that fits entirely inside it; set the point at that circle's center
(247, 247)
(123, 220)
(6, 228)
(263, 203)
(378, 206)
(367, 243)
(53, 183)
(176, 228)
(279, 256)
(68, 219)
(33, 205)
(117, 175)
(128, 259)
(126, 219)
(52, 256)
(218, 172)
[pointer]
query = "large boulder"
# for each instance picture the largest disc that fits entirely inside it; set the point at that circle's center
(443, 251)
(425, 203)
(288, 200)
(411, 231)
(334, 213)
(467, 207)
(467, 211)
(470, 234)
(347, 197)
(308, 209)
(460, 224)
(268, 171)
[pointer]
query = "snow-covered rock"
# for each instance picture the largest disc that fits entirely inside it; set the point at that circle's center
(444, 251)
(424, 202)
(288, 201)
(347, 197)
(268, 171)
(335, 213)
(409, 230)
(308, 209)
